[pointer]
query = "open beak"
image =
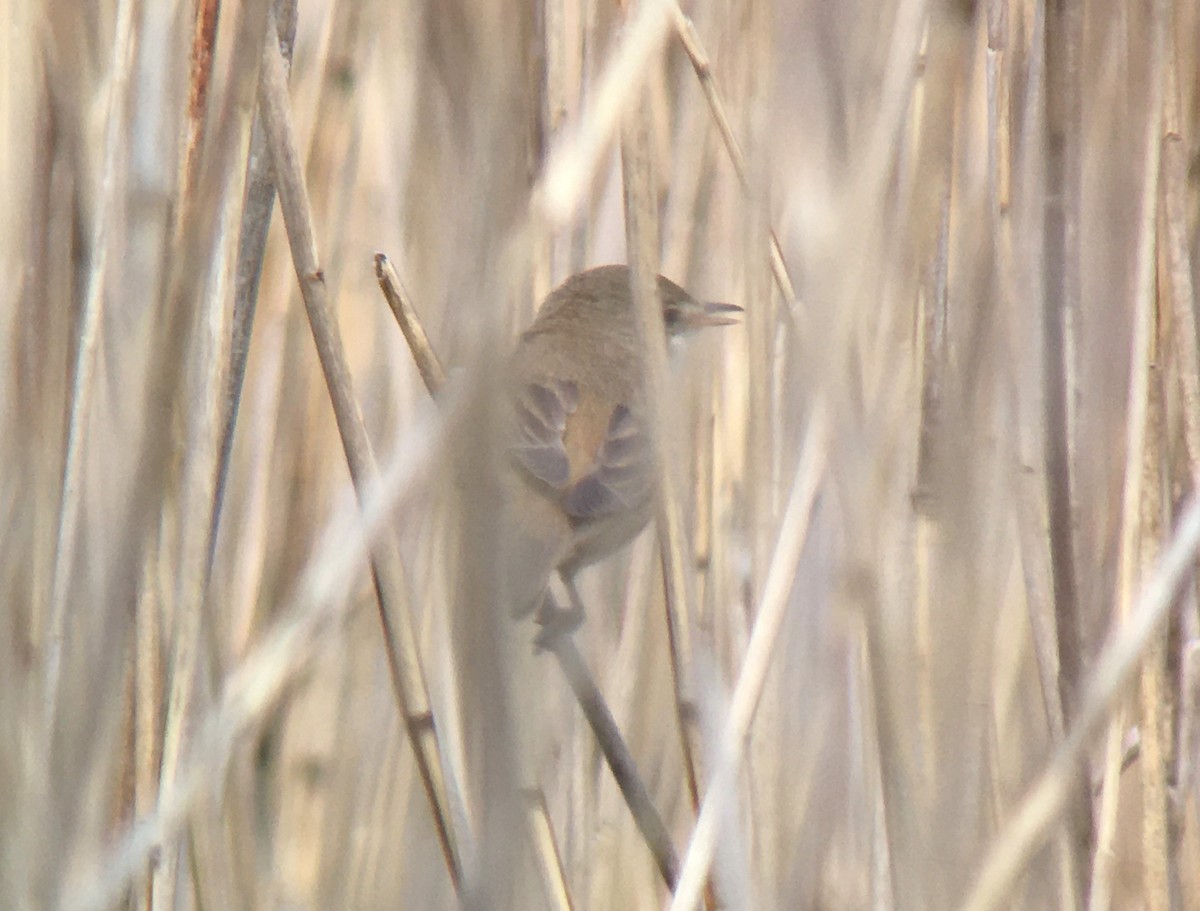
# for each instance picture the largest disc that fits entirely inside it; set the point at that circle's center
(714, 315)
(718, 315)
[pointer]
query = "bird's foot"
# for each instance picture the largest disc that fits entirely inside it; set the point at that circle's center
(555, 622)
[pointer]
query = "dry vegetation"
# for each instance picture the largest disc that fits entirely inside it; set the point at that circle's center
(930, 525)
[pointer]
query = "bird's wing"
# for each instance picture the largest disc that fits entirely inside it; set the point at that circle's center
(542, 412)
(619, 477)
(614, 477)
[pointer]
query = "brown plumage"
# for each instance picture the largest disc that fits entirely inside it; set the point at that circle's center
(583, 479)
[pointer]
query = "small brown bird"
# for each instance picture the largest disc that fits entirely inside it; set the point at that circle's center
(583, 482)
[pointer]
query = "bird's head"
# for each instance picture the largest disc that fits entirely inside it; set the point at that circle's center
(683, 314)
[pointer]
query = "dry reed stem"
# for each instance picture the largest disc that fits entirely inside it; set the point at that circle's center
(703, 494)
(689, 38)
(777, 595)
(202, 379)
(1030, 499)
(204, 40)
(859, 298)
(308, 621)
(619, 759)
(622, 680)
(1181, 291)
(642, 248)
(881, 766)
(407, 676)
(252, 247)
(1155, 699)
(551, 253)
(331, 158)
(90, 326)
(1060, 304)
(200, 469)
(332, 149)
(1032, 517)
(687, 206)
(193, 625)
(1113, 671)
(541, 834)
(1189, 710)
(1031, 521)
(1131, 569)
(1060, 318)
(148, 692)
(254, 544)
(929, 513)
(1101, 885)
(1158, 693)
(575, 158)
(365, 863)
(999, 129)
(426, 359)
(885, 142)
(1061, 782)
(1179, 273)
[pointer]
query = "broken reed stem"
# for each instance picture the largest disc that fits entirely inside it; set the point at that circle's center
(426, 359)
(407, 675)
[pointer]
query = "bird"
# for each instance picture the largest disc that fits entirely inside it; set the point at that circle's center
(581, 479)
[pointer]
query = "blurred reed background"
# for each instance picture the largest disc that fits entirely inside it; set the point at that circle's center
(925, 653)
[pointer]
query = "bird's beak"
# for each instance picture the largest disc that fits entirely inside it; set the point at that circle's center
(713, 315)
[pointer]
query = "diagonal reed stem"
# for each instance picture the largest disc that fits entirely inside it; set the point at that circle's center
(404, 666)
